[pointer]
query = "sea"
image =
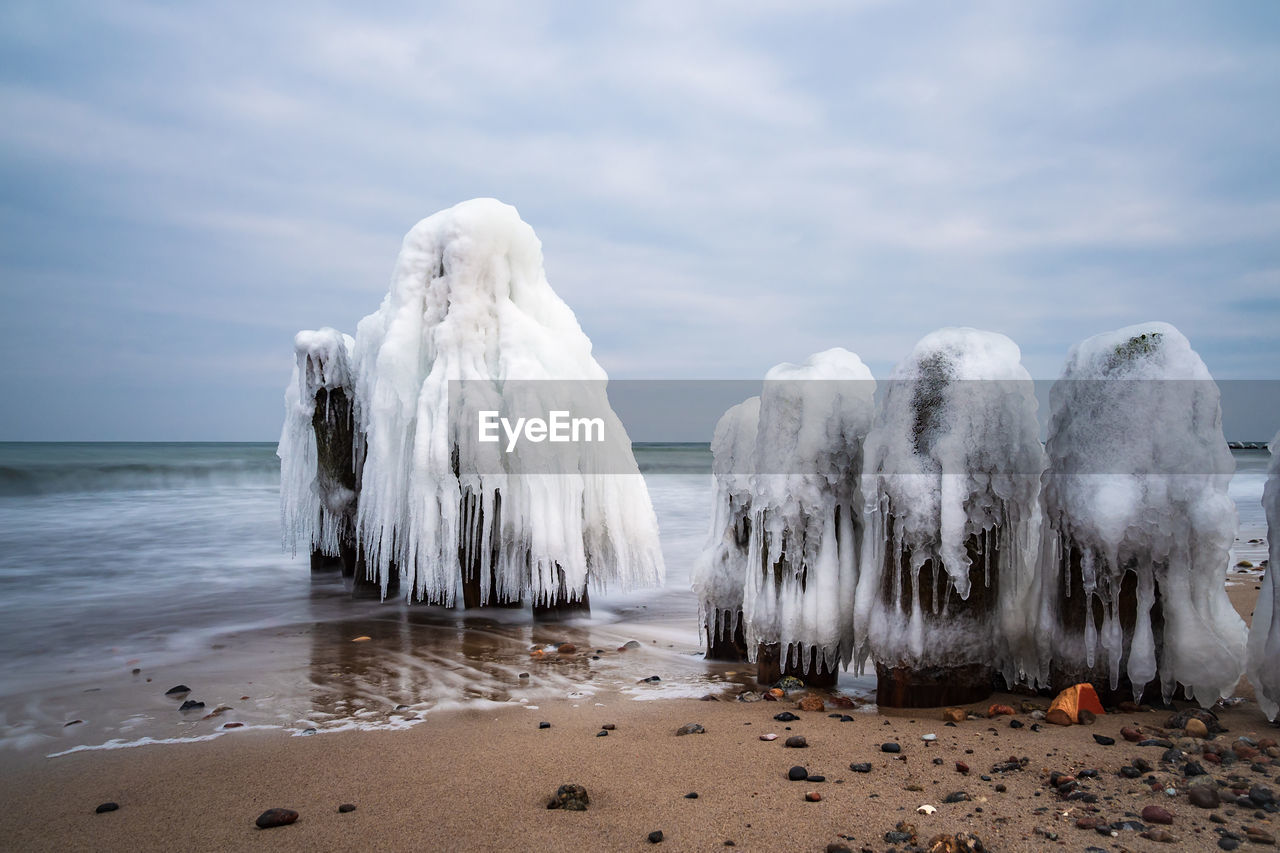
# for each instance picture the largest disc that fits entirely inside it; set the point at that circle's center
(129, 569)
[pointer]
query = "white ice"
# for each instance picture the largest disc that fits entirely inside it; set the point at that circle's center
(1264, 635)
(802, 560)
(720, 570)
(1137, 481)
(955, 454)
(311, 514)
(469, 301)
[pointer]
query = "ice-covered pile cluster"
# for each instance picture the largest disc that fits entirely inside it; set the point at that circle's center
(788, 467)
(319, 481)
(720, 570)
(954, 466)
(1136, 510)
(469, 301)
(1264, 635)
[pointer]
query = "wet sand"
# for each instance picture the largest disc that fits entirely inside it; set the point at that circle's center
(480, 779)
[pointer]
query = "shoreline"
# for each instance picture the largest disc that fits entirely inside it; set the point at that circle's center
(479, 778)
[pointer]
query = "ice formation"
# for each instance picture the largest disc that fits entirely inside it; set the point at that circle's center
(954, 464)
(720, 571)
(805, 517)
(1264, 635)
(1138, 522)
(469, 301)
(319, 480)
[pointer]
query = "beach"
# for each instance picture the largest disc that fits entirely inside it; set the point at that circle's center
(428, 721)
(480, 778)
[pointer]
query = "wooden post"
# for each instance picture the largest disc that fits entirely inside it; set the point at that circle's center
(928, 684)
(772, 666)
(723, 645)
(1073, 605)
(561, 605)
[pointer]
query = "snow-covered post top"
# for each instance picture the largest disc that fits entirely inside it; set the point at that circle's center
(313, 502)
(1264, 635)
(719, 571)
(470, 312)
(956, 445)
(1137, 481)
(806, 507)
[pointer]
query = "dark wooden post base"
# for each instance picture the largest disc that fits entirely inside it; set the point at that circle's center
(934, 686)
(562, 607)
(770, 667)
(325, 562)
(723, 646)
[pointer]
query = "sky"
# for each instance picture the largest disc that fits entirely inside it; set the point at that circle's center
(718, 186)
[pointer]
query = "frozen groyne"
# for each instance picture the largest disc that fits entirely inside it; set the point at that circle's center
(954, 463)
(1264, 634)
(470, 325)
(1138, 523)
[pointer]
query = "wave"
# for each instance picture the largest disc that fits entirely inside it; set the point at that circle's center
(45, 469)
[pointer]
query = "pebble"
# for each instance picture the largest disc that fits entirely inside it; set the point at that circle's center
(797, 774)
(346, 807)
(812, 796)
(1161, 835)
(544, 725)
(1131, 734)
(630, 645)
(796, 742)
(1258, 836)
(692, 795)
(190, 705)
(962, 768)
(890, 747)
(1058, 717)
(816, 778)
(1103, 740)
(571, 798)
(929, 738)
(812, 702)
(177, 690)
(861, 767)
(1196, 728)
(566, 648)
(1193, 768)
(276, 817)
(691, 729)
(602, 733)
(955, 715)
(1157, 814)
(1016, 724)
(655, 837)
(1204, 796)
(106, 807)
(785, 717)
(769, 736)
(608, 727)
(957, 797)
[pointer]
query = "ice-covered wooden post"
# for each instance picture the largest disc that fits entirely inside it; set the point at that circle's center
(946, 581)
(470, 326)
(719, 573)
(806, 517)
(1264, 633)
(1138, 522)
(320, 451)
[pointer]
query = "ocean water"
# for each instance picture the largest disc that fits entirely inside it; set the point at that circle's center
(167, 559)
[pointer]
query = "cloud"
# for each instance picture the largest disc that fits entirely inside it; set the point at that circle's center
(718, 186)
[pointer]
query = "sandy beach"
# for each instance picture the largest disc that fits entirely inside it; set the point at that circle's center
(480, 778)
